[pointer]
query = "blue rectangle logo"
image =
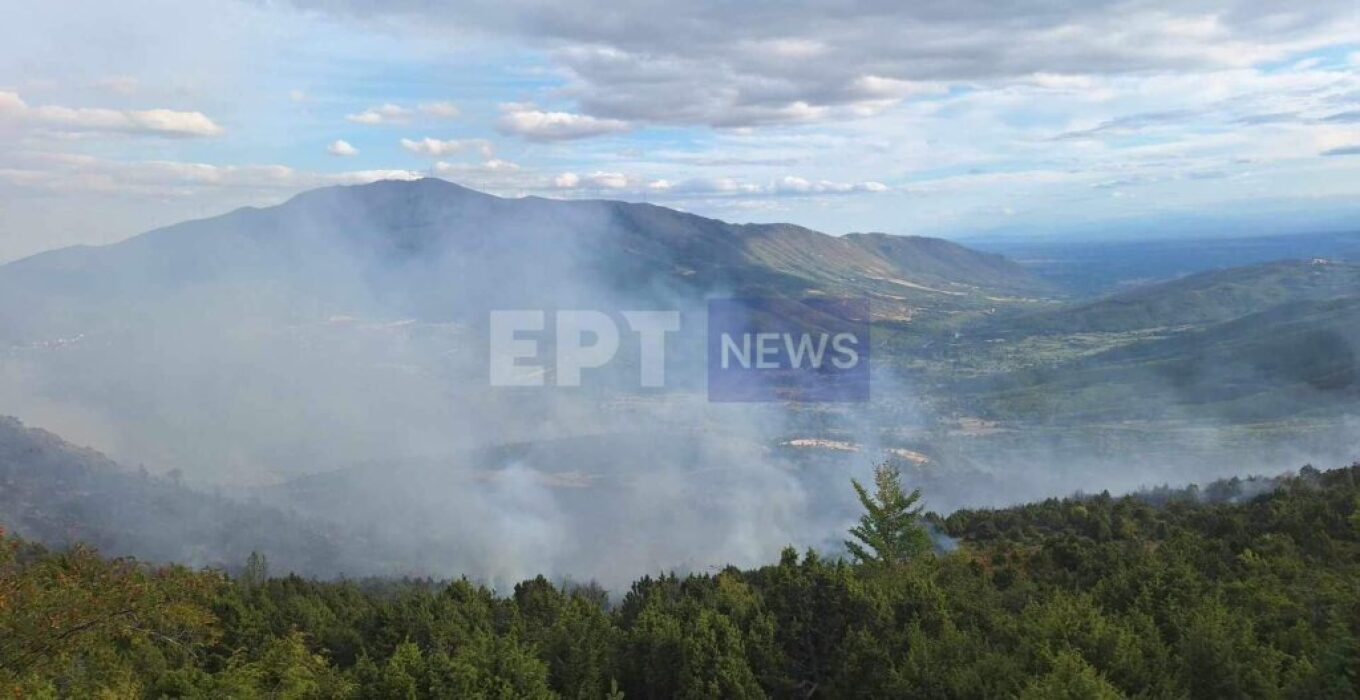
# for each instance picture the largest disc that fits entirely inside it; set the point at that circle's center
(780, 349)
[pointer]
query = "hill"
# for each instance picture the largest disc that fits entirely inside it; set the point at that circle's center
(59, 494)
(941, 263)
(1295, 359)
(1204, 297)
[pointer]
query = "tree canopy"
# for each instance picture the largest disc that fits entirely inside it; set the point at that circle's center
(1238, 589)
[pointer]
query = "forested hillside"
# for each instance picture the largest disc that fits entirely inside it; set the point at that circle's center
(54, 492)
(1206, 297)
(1239, 589)
(1296, 359)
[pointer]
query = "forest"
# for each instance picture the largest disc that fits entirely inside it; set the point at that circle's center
(1242, 588)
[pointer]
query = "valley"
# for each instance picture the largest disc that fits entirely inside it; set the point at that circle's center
(354, 317)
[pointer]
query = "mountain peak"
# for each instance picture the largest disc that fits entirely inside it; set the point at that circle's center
(385, 190)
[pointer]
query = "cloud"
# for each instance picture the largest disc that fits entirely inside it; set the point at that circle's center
(389, 113)
(153, 122)
(729, 64)
(622, 184)
(340, 147)
(603, 180)
(493, 166)
(529, 122)
(440, 110)
(382, 114)
(1133, 123)
(437, 148)
(723, 186)
(71, 173)
(65, 172)
(789, 185)
(1343, 151)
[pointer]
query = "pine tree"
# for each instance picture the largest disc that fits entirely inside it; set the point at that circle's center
(889, 532)
(256, 572)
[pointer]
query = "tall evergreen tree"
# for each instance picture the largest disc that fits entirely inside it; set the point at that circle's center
(890, 531)
(256, 571)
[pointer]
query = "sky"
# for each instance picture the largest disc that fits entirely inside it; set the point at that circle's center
(955, 118)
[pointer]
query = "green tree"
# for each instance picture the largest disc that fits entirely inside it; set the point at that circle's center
(257, 570)
(492, 667)
(714, 660)
(283, 668)
(1072, 678)
(890, 530)
(403, 677)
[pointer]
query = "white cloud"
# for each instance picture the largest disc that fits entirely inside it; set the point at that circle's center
(297, 95)
(389, 113)
(723, 186)
(155, 122)
(73, 173)
(11, 105)
(490, 167)
(710, 186)
(341, 147)
(725, 64)
(382, 114)
(527, 121)
(440, 110)
(794, 185)
(598, 180)
(603, 180)
(437, 148)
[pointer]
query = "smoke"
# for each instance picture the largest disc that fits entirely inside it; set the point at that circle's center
(330, 358)
(943, 543)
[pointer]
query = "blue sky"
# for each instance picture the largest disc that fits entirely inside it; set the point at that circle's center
(958, 119)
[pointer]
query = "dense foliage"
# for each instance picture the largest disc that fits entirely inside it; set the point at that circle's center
(1214, 593)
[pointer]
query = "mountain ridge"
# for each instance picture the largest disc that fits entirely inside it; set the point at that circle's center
(1209, 296)
(431, 249)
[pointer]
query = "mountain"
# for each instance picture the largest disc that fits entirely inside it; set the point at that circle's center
(326, 358)
(1206, 297)
(57, 493)
(940, 263)
(430, 249)
(348, 323)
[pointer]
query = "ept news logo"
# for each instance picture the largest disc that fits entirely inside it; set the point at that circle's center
(772, 349)
(758, 349)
